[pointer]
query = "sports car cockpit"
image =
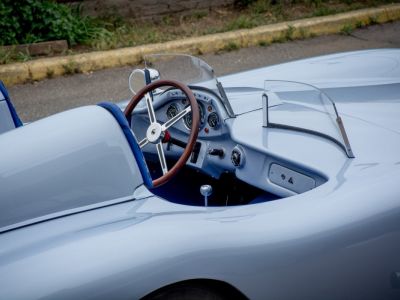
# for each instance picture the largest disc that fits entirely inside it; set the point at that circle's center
(228, 142)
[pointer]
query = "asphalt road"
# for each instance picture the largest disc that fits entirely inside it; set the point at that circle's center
(40, 99)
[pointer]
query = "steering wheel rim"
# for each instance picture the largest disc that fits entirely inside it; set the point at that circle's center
(153, 134)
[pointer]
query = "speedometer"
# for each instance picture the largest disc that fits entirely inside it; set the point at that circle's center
(188, 118)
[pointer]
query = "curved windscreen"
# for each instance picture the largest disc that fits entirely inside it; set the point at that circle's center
(184, 68)
(187, 69)
(303, 107)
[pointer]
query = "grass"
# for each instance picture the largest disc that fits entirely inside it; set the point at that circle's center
(70, 68)
(12, 55)
(263, 43)
(114, 32)
(304, 34)
(230, 47)
(347, 29)
(5, 56)
(289, 33)
(261, 12)
(50, 73)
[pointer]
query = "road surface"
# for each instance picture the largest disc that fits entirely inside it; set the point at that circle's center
(40, 99)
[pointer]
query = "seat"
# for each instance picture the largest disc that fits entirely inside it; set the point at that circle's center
(123, 122)
(8, 116)
(72, 159)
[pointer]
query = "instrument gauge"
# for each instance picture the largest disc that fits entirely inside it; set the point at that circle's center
(188, 118)
(172, 111)
(213, 120)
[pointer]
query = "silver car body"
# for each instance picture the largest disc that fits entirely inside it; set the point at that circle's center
(339, 240)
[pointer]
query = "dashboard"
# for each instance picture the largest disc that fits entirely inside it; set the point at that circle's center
(225, 144)
(211, 115)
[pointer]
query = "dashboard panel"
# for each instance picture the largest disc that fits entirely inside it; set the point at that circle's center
(211, 115)
(226, 144)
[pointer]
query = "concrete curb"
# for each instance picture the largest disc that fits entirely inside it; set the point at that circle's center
(80, 63)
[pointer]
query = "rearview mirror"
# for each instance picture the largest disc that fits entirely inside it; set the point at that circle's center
(137, 79)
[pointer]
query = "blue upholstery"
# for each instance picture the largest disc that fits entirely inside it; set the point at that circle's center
(16, 119)
(120, 117)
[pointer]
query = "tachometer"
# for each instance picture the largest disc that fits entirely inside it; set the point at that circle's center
(172, 111)
(213, 120)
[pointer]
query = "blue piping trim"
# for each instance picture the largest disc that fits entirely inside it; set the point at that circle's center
(14, 115)
(138, 154)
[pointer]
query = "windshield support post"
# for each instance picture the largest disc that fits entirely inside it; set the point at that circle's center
(225, 100)
(265, 107)
(345, 138)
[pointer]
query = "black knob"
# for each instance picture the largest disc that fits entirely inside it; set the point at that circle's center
(236, 157)
(216, 152)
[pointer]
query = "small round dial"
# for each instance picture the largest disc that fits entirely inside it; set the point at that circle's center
(213, 120)
(172, 111)
(188, 118)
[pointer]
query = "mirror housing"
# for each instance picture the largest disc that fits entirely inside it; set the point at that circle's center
(137, 79)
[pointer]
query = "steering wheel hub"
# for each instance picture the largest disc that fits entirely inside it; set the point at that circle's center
(154, 133)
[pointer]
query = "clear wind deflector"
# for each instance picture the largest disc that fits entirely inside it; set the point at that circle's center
(189, 70)
(304, 108)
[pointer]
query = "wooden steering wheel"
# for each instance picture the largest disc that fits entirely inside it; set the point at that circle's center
(156, 132)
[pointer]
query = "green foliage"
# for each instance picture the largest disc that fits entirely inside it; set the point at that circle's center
(9, 25)
(26, 21)
(373, 20)
(263, 43)
(231, 46)
(12, 54)
(5, 56)
(29, 21)
(324, 11)
(289, 33)
(304, 33)
(70, 68)
(242, 22)
(347, 29)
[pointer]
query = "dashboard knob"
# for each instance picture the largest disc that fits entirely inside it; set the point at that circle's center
(216, 152)
(237, 156)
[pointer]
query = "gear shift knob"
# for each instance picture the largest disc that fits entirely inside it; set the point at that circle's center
(206, 191)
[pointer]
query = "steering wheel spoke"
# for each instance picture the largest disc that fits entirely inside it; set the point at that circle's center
(175, 119)
(143, 142)
(150, 108)
(161, 158)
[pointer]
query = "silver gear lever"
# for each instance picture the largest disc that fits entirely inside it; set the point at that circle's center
(206, 191)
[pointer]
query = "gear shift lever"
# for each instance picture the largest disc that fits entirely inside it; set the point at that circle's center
(206, 191)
